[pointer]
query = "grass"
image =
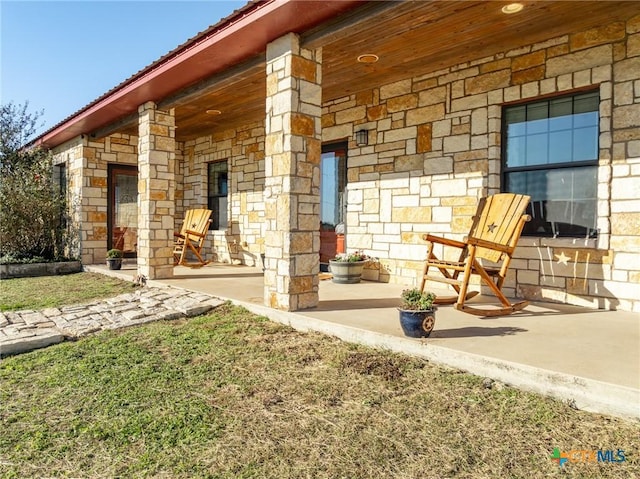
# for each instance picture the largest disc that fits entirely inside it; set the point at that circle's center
(232, 395)
(51, 291)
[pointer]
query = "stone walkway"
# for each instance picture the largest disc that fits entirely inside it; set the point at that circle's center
(22, 331)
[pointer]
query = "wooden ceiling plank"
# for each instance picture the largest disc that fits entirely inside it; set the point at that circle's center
(218, 81)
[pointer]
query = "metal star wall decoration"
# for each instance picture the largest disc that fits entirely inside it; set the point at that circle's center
(562, 258)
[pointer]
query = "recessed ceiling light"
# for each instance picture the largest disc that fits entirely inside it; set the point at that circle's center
(512, 8)
(213, 112)
(368, 58)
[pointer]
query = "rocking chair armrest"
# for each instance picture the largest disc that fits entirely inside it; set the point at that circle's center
(195, 233)
(489, 245)
(444, 241)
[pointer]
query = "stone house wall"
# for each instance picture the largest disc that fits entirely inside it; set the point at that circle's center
(243, 148)
(435, 148)
(86, 160)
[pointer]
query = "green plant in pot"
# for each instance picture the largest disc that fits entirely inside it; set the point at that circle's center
(114, 258)
(417, 313)
(346, 268)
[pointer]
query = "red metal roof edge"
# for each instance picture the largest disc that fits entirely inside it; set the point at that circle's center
(200, 37)
(259, 9)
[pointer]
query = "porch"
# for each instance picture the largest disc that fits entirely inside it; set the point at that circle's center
(590, 357)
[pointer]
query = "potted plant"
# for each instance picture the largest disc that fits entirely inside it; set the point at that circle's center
(346, 268)
(114, 258)
(417, 313)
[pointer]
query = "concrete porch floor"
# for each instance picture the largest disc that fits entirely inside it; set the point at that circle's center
(588, 357)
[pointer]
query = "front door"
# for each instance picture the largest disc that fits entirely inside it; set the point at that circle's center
(333, 181)
(122, 209)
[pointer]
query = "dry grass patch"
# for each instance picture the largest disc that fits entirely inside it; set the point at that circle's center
(231, 395)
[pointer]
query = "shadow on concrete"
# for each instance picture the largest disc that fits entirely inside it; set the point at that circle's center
(475, 331)
(216, 275)
(362, 304)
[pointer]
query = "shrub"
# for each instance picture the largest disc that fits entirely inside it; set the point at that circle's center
(32, 206)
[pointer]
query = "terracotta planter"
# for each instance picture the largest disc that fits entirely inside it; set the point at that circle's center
(346, 273)
(417, 324)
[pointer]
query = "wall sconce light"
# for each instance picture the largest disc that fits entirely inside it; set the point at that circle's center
(362, 138)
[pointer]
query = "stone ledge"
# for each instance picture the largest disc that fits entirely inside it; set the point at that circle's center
(8, 271)
(44, 338)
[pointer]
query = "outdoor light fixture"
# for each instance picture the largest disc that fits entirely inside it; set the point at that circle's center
(512, 8)
(368, 58)
(362, 138)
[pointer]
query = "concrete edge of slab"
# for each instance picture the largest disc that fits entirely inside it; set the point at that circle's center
(583, 393)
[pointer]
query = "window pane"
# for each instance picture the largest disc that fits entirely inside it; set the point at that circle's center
(585, 144)
(537, 111)
(332, 186)
(585, 119)
(560, 146)
(560, 123)
(217, 191)
(561, 107)
(563, 201)
(537, 126)
(516, 152)
(537, 148)
(557, 132)
(586, 102)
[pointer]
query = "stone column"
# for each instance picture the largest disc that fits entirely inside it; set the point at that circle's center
(292, 167)
(156, 189)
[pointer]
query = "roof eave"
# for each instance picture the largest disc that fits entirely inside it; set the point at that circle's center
(234, 39)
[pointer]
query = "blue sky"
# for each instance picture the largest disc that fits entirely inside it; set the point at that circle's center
(61, 55)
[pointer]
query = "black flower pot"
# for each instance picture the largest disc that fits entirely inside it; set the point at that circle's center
(417, 324)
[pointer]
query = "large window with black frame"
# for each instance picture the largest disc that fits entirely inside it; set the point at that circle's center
(550, 152)
(217, 194)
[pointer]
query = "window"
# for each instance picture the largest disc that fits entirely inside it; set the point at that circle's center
(60, 178)
(550, 152)
(217, 194)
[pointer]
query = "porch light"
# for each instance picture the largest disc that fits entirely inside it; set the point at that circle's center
(368, 58)
(512, 8)
(362, 138)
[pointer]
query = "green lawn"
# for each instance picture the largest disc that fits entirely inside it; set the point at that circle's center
(232, 395)
(50, 291)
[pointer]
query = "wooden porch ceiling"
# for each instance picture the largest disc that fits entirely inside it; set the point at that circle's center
(411, 38)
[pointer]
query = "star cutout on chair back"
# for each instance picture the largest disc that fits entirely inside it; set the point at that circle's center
(193, 225)
(492, 227)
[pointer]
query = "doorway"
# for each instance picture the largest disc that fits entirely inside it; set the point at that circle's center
(333, 181)
(122, 209)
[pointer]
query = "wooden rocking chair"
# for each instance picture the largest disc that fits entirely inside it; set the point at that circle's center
(191, 237)
(493, 237)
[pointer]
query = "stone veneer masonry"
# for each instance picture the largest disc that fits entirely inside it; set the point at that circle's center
(292, 181)
(243, 150)
(156, 191)
(86, 160)
(434, 149)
